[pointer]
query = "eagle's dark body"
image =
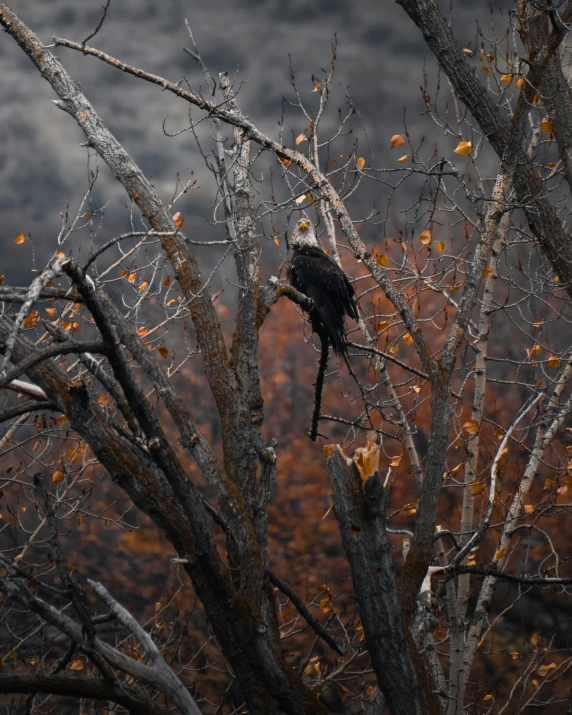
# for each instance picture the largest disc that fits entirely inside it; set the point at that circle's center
(316, 275)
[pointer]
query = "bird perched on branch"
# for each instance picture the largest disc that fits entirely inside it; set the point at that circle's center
(316, 275)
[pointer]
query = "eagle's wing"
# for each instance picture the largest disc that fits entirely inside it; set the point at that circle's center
(321, 279)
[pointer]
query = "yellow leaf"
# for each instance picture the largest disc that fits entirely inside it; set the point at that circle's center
(463, 148)
(425, 237)
(486, 273)
(395, 462)
(535, 638)
(131, 277)
(402, 159)
(472, 426)
(158, 606)
(546, 126)
(440, 246)
(545, 669)
(57, 476)
(548, 484)
(381, 259)
(396, 140)
(520, 82)
(407, 339)
(477, 488)
(553, 361)
(143, 285)
(515, 655)
(163, 352)
(77, 665)
(506, 78)
(487, 697)
(485, 68)
(20, 238)
(500, 553)
(382, 326)
(300, 138)
(536, 349)
(360, 163)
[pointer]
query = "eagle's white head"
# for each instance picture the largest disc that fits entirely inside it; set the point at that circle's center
(304, 235)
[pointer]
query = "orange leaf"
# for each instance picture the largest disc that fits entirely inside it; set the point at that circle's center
(500, 553)
(553, 361)
(142, 331)
(51, 311)
(402, 159)
(20, 238)
(131, 277)
(381, 259)
(486, 273)
(472, 427)
(382, 326)
(425, 237)
(528, 508)
(57, 476)
(396, 140)
(167, 282)
(477, 488)
(143, 285)
(178, 221)
(360, 163)
(163, 352)
(407, 339)
(284, 161)
(506, 78)
(440, 246)
(520, 82)
(546, 126)
(300, 138)
(77, 665)
(463, 148)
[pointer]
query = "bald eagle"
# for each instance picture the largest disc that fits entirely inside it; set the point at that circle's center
(315, 274)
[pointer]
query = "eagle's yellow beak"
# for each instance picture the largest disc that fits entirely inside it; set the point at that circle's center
(303, 225)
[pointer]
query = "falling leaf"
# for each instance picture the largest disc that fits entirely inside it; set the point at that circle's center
(32, 319)
(60, 254)
(103, 400)
(360, 163)
(472, 427)
(381, 259)
(477, 488)
(467, 51)
(395, 462)
(131, 277)
(515, 655)
(552, 165)
(167, 282)
(528, 508)
(548, 484)
(456, 287)
(463, 148)
(506, 78)
(546, 126)
(51, 311)
(381, 326)
(80, 520)
(562, 490)
(536, 349)
(285, 162)
(301, 199)
(407, 339)
(535, 638)
(143, 285)
(300, 138)
(326, 605)
(163, 352)
(553, 361)
(180, 222)
(142, 331)
(170, 302)
(425, 237)
(485, 68)
(77, 665)
(440, 246)
(520, 82)
(486, 273)
(396, 140)
(276, 240)
(545, 669)
(402, 159)
(500, 553)
(342, 692)
(57, 476)
(487, 697)
(20, 238)
(158, 606)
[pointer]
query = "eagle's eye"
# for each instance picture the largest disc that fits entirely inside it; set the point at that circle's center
(303, 225)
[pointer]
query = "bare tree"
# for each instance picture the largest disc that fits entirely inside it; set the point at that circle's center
(457, 389)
